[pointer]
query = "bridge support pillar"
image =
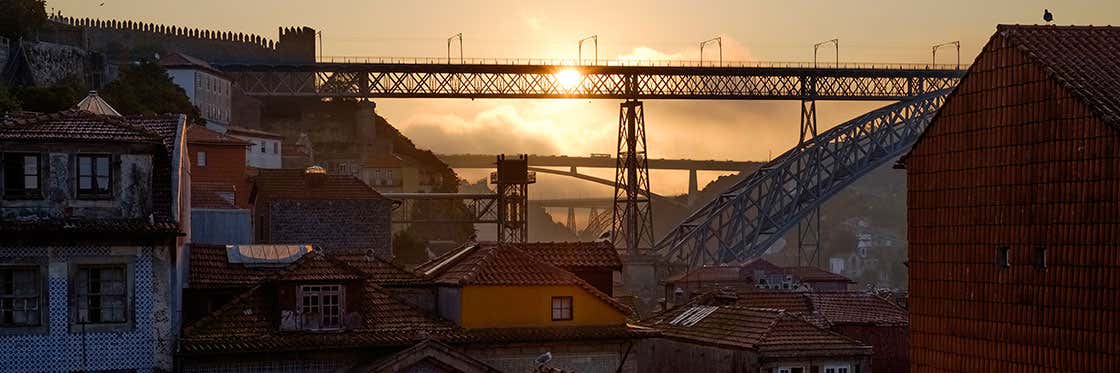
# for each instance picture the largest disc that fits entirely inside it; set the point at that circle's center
(808, 176)
(693, 188)
(513, 179)
(572, 220)
(632, 218)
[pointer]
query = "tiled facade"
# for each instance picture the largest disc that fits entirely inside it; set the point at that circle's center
(145, 345)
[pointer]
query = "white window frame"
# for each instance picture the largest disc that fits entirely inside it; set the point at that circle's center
(201, 158)
(837, 368)
(320, 293)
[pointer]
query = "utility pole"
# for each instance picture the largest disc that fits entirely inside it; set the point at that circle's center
(956, 43)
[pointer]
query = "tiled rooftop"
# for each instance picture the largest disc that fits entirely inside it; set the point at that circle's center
(210, 268)
(772, 332)
(201, 135)
(814, 274)
(245, 324)
(857, 308)
(84, 126)
(294, 184)
(206, 195)
(489, 263)
(575, 255)
(1083, 59)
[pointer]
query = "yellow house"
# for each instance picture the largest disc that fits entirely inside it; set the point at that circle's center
(490, 285)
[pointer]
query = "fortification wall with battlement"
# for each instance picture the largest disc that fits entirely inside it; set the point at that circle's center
(294, 44)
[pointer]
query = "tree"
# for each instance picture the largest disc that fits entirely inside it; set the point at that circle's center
(145, 88)
(20, 18)
(8, 101)
(59, 96)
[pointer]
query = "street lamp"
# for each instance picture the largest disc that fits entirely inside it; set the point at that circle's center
(453, 37)
(594, 38)
(956, 43)
(835, 43)
(719, 42)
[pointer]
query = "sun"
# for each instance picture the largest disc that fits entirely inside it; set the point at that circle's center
(568, 79)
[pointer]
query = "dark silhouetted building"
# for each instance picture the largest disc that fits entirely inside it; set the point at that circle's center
(1014, 209)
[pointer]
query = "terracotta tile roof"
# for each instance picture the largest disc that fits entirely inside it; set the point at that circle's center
(1083, 59)
(316, 266)
(210, 268)
(201, 135)
(771, 332)
(83, 126)
(857, 308)
(490, 263)
(814, 274)
(210, 195)
(176, 60)
(575, 255)
(720, 273)
(294, 184)
(252, 132)
(428, 349)
(247, 324)
(553, 333)
(377, 269)
(784, 300)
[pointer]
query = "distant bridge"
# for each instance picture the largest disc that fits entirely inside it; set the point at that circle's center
(487, 161)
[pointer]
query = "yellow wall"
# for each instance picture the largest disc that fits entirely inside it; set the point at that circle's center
(509, 306)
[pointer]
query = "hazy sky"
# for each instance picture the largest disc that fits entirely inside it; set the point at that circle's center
(869, 31)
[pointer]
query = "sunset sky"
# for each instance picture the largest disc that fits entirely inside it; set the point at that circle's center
(869, 31)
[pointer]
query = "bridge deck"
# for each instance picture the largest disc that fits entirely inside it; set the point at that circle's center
(487, 161)
(399, 79)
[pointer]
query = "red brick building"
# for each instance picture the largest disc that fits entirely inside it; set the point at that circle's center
(1014, 209)
(218, 158)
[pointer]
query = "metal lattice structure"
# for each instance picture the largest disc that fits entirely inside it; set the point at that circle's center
(747, 219)
(479, 208)
(399, 79)
(632, 219)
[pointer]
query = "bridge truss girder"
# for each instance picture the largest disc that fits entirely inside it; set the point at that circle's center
(747, 219)
(596, 82)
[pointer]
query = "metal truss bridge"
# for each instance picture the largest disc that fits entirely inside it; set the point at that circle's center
(745, 220)
(494, 78)
(750, 216)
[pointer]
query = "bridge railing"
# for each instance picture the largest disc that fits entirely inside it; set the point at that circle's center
(631, 62)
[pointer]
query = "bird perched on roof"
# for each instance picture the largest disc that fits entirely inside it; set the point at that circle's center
(1047, 16)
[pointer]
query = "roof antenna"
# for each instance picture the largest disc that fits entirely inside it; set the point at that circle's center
(1047, 16)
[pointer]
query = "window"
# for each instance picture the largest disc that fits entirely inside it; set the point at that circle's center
(1003, 256)
(1040, 257)
(561, 308)
(201, 159)
(791, 370)
(276, 148)
(836, 369)
(264, 149)
(22, 173)
(20, 295)
(93, 176)
(321, 306)
(101, 293)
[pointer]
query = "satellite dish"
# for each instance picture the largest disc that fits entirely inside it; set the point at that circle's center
(544, 358)
(1047, 16)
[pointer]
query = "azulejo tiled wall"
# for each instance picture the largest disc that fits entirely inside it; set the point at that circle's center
(145, 347)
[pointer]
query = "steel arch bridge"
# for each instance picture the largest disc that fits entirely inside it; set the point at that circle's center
(750, 216)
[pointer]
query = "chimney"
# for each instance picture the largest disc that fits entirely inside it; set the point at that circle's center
(315, 176)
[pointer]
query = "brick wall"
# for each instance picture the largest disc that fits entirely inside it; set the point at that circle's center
(1013, 161)
(333, 223)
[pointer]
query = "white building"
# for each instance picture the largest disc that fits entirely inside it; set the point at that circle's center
(207, 88)
(266, 149)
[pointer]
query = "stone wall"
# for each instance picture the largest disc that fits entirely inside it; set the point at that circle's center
(363, 224)
(295, 44)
